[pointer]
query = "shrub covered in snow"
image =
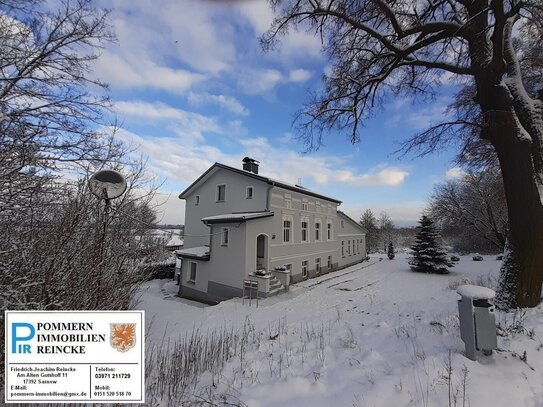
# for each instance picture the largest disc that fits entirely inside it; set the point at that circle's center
(428, 255)
(477, 257)
(455, 258)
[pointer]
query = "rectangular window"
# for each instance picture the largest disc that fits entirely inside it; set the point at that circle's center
(349, 247)
(197, 200)
(249, 193)
(329, 231)
(329, 262)
(304, 207)
(354, 251)
(192, 272)
(287, 230)
(342, 248)
(224, 237)
(305, 230)
(318, 265)
(305, 264)
(342, 224)
(288, 203)
(317, 231)
(221, 193)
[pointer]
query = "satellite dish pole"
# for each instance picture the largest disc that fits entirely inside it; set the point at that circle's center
(106, 185)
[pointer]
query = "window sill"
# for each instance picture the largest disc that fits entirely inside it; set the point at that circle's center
(191, 282)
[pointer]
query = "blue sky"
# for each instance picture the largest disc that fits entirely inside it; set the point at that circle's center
(191, 87)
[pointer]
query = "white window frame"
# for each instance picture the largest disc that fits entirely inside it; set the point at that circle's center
(247, 194)
(225, 236)
(287, 218)
(305, 206)
(190, 279)
(197, 200)
(329, 231)
(318, 265)
(305, 268)
(307, 229)
(219, 194)
(288, 204)
(318, 231)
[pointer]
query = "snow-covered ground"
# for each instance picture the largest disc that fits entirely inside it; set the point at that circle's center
(374, 334)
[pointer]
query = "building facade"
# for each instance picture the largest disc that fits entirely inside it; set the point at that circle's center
(242, 226)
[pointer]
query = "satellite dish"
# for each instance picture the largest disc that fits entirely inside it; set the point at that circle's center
(107, 184)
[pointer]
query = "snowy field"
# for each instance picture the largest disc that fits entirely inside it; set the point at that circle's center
(374, 334)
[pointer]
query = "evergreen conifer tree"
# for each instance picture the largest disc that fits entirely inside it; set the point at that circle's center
(428, 255)
(390, 251)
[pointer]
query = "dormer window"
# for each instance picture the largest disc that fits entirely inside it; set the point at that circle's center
(249, 193)
(221, 192)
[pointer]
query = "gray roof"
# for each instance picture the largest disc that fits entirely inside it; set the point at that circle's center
(236, 217)
(199, 253)
(267, 180)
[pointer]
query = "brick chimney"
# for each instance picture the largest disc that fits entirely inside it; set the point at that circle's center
(250, 164)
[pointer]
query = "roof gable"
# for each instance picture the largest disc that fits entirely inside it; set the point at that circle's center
(217, 166)
(351, 221)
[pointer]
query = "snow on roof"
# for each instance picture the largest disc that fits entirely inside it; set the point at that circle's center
(236, 217)
(475, 291)
(194, 252)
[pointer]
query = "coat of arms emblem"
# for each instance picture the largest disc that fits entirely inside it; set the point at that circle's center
(122, 336)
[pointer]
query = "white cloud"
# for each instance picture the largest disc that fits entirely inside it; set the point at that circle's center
(455, 172)
(224, 102)
(188, 126)
(297, 45)
(120, 72)
(255, 81)
(289, 166)
(299, 75)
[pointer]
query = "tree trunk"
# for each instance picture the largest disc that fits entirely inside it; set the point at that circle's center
(522, 270)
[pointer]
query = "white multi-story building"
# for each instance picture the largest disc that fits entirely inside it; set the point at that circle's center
(243, 226)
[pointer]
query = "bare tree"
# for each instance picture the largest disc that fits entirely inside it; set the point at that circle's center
(475, 207)
(380, 48)
(58, 249)
(369, 222)
(386, 230)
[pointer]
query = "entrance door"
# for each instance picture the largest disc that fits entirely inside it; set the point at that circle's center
(262, 252)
